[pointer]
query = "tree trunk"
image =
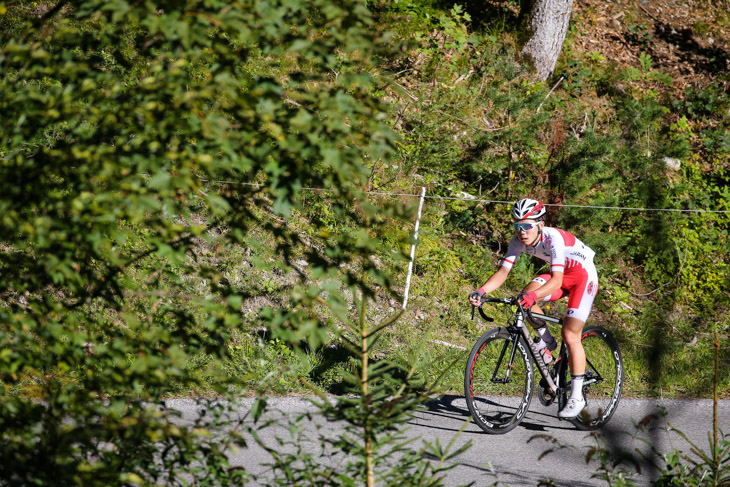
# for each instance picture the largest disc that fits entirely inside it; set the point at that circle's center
(549, 21)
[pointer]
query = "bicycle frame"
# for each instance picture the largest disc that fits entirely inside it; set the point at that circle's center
(536, 357)
(518, 328)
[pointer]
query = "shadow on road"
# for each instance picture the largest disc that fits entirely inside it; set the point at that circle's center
(449, 412)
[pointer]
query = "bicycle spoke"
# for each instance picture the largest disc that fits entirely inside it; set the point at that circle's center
(498, 383)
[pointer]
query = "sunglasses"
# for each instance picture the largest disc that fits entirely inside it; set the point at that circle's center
(523, 227)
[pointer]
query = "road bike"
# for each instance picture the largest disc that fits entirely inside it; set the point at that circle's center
(500, 375)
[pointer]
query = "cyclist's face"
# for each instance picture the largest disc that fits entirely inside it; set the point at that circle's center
(527, 230)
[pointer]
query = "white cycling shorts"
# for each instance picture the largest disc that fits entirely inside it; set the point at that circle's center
(580, 284)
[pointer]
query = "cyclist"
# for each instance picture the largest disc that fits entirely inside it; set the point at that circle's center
(572, 274)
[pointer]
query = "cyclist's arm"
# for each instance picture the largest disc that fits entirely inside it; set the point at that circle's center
(495, 280)
(556, 280)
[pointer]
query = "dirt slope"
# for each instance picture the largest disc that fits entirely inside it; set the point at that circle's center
(688, 40)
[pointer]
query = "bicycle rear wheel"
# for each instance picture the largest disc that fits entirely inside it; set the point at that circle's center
(499, 380)
(604, 378)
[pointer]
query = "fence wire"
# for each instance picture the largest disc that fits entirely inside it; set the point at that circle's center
(474, 199)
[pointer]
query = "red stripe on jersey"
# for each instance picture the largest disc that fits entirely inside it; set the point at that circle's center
(572, 263)
(568, 238)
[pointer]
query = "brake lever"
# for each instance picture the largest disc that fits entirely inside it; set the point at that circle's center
(484, 316)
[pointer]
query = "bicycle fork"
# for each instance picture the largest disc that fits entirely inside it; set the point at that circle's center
(520, 323)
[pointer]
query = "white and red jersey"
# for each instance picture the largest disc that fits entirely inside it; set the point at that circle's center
(568, 255)
(561, 249)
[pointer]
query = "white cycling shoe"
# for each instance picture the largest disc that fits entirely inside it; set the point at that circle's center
(572, 408)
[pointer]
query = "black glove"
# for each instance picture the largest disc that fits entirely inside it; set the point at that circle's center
(477, 294)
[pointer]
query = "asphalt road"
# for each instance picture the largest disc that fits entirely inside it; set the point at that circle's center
(517, 458)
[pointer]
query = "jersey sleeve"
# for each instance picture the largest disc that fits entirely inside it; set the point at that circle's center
(556, 245)
(514, 250)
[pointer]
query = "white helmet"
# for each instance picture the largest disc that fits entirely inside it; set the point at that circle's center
(527, 208)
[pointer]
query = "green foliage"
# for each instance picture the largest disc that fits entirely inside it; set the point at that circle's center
(453, 38)
(703, 102)
(117, 119)
(709, 467)
(605, 136)
(157, 239)
(380, 397)
(435, 258)
(639, 34)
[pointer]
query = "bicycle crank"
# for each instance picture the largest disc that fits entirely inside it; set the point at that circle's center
(544, 394)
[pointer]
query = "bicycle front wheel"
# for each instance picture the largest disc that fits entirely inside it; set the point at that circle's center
(498, 382)
(604, 378)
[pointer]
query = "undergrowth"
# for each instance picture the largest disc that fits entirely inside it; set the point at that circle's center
(473, 127)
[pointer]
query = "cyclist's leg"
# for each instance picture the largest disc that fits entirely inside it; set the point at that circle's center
(571, 334)
(582, 284)
(547, 342)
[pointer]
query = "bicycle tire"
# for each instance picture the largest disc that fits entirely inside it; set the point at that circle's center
(604, 379)
(498, 406)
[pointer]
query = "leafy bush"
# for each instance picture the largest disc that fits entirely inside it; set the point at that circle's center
(122, 123)
(703, 467)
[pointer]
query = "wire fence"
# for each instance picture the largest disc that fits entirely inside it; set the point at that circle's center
(474, 199)
(469, 198)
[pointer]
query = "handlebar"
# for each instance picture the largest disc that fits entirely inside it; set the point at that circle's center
(486, 299)
(534, 317)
